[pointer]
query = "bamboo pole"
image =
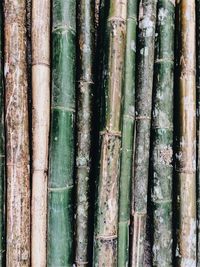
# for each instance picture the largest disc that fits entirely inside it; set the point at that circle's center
(128, 121)
(17, 138)
(105, 240)
(186, 248)
(84, 126)
(40, 126)
(162, 135)
(198, 127)
(61, 161)
(2, 149)
(146, 37)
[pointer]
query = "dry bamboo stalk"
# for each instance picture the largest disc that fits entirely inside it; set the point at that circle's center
(40, 120)
(17, 146)
(186, 248)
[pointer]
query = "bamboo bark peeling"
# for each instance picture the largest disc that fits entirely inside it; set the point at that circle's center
(17, 146)
(105, 240)
(40, 126)
(147, 21)
(2, 149)
(186, 157)
(86, 36)
(127, 135)
(61, 154)
(162, 135)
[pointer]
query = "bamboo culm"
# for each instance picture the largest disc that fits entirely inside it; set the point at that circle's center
(162, 135)
(128, 121)
(84, 126)
(17, 136)
(198, 127)
(146, 37)
(62, 146)
(2, 149)
(105, 239)
(186, 156)
(40, 127)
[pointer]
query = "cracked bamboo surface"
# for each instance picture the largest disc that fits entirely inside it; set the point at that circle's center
(40, 127)
(105, 239)
(186, 156)
(17, 144)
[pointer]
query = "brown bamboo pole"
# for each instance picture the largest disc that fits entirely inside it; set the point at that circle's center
(40, 125)
(17, 138)
(186, 248)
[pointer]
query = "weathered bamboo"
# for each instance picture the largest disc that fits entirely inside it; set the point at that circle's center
(84, 127)
(198, 126)
(162, 135)
(62, 146)
(40, 126)
(105, 241)
(17, 138)
(128, 121)
(186, 156)
(2, 149)
(146, 37)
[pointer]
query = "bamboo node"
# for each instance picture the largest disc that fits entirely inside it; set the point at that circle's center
(106, 237)
(110, 133)
(143, 118)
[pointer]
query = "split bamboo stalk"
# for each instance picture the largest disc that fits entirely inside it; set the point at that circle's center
(40, 126)
(84, 126)
(198, 127)
(2, 149)
(146, 37)
(128, 121)
(105, 240)
(17, 137)
(62, 145)
(186, 156)
(162, 135)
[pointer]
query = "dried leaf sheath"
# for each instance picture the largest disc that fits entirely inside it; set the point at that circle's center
(146, 36)
(105, 241)
(84, 121)
(17, 145)
(127, 135)
(2, 149)
(186, 157)
(162, 135)
(61, 154)
(40, 127)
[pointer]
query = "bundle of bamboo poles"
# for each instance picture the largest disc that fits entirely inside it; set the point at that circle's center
(99, 133)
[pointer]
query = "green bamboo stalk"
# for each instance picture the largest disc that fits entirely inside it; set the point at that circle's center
(2, 149)
(198, 127)
(17, 136)
(84, 125)
(162, 135)
(105, 240)
(128, 121)
(186, 156)
(146, 37)
(61, 161)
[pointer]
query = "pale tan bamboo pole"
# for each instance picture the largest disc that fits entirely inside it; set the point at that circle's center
(17, 137)
(40, 127)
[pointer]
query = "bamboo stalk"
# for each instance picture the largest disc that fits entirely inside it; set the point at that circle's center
(186, 169)
(128, 121)
(162, 135)
(198, 127)
(40, 123)
(61, 161)
(2, 149)
(105, 241)
(84, 126)
(17, 138)
(146, 36)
